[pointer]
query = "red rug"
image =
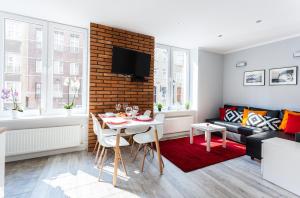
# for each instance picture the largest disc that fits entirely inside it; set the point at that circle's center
(189, 157)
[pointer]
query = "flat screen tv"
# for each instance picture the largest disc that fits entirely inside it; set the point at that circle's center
(130, 62)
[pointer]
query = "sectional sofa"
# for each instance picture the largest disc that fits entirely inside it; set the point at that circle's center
(251, 136)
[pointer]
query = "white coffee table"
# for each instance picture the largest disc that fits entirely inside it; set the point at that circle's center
(208, 129)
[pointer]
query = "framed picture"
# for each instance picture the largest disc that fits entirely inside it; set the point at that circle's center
(284, 76)
(254, 78)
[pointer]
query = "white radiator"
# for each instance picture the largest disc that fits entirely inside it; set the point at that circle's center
(178, 124)
(42, 139)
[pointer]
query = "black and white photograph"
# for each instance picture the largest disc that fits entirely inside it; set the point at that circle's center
(254, 78)
(284, 76)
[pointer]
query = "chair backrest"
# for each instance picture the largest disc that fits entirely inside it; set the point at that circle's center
(97, 127)
(160, 128)
(147, 113)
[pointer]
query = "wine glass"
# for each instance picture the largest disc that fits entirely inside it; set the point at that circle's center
(135, 110)
(128, 111)
(125, 105)
(118, 107)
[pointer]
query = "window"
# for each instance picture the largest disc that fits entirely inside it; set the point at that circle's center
(38, 38)
(22, 64)
(161, 77)
(12, 63)
(74, 69)
(179, 70)
(38, 90)
(74, 43)
(70, 68)
(58, 67)
(20, 68)
(59, 40)
(38, 66)
(13, 31)
(171, 68)
(57, 89)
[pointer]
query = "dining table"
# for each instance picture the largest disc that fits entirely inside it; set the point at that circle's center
(130, 123)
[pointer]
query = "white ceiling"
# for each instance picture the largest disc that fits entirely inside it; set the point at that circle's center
(182, 23)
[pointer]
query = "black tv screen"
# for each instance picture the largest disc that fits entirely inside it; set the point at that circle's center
(130, 62)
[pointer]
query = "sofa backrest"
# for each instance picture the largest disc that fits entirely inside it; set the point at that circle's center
(239, 108)
(272, 113)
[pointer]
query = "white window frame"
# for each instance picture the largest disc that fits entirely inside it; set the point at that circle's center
(170, 93)
(47, 72)
(83, 87)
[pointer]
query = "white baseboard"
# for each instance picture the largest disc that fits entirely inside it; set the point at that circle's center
(44, 153)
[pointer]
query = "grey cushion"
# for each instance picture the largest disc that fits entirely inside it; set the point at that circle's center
(230, 126)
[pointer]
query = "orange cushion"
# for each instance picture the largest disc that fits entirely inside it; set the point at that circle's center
(247, 111)
(285, 118)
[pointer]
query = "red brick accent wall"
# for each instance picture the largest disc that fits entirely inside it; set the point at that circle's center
(106, 88)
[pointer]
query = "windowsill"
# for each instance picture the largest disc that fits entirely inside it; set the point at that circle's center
(177, 113)
(42, 117)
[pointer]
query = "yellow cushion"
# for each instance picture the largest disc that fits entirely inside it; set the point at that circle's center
(285, 118)
(247, 111)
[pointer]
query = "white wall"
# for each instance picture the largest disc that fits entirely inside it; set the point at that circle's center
(279, 54)
(210, 84)
(2, 166)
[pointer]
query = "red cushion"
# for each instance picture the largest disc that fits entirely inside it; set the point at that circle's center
(293, 124)
(222, 112)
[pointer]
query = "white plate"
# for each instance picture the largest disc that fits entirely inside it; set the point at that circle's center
(143, 117)
(109, 114)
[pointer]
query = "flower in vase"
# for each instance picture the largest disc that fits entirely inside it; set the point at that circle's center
(5, 94)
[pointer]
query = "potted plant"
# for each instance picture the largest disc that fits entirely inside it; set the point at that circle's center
(187, 105)
(159, 106)
(12, 95)
(73, 85)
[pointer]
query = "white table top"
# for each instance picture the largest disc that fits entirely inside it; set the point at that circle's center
(208, 127)
(130, 123)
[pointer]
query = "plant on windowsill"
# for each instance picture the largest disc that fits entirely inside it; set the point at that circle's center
(12, 95)
(73, 85)
(187, 105)
(159, 106)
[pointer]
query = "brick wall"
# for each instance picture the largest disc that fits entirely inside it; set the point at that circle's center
(106, 88)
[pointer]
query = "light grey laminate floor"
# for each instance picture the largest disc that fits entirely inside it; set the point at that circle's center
(75, 175)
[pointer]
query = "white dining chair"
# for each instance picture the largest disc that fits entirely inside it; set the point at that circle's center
(132, 131)
(106, 132)
(147, 139)
(107, 139)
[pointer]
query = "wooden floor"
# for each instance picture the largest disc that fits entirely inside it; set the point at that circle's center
(74, 175)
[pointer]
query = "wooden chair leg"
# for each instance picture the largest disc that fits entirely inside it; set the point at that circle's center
(143, 162)
(140, 146)
(97, 154)
(123, 164)
(101, 157)
(152, 152)
(162, 161)
(132, 146)
(95, 147)
(102, 164)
